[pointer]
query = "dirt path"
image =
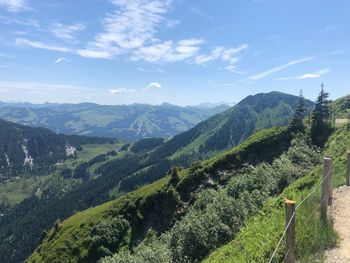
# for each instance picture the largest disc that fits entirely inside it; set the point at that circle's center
(340, 211)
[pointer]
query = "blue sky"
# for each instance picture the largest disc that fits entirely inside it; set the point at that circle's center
(179, 51)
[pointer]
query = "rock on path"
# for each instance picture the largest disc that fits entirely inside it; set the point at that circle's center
(340, 212)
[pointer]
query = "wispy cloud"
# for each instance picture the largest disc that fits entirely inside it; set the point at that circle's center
(120, 91)
(200, 13)
(279, 68)
(39, 87)
(66, 32)
(23, 41)
(131, 31)
(62, 59)
(228, 55)
(168, 51)
(23, 22)
(171, 23)
(94, 53)
(14, 5)
(131, 26)
(313, 75)
(3, 55)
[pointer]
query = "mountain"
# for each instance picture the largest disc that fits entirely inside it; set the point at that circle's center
(128, 122)
(211, 105)
(233, 126)
(110, 175)
(27, 148)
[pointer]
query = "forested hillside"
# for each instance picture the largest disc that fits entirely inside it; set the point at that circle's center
(24, 148)
(128, 122)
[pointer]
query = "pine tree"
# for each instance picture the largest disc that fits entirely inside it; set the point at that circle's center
(175, 175)
(297, 122)
(320, 119)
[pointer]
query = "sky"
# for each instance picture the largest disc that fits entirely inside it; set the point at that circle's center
(183, 52)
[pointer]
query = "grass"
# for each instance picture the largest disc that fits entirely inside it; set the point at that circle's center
(20, 188)
(258, 239)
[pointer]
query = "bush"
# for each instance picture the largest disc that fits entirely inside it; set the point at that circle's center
(218, 215)
(107, 236)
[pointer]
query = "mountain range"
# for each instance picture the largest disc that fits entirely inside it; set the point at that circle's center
(127, 122)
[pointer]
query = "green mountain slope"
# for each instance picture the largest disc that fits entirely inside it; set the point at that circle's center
(233, 126)
(128, 122)
(155, 206)
(267, 227)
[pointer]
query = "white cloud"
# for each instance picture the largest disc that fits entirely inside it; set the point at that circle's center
(314, 75)
(154, 85)
(168, 51)
(22, 41)
(224, 54)
(228, 55)
(62, 59)
(13, 5)
(66, 32)
(279, 68)
(131, 26)
(120, 91)
(94, 54)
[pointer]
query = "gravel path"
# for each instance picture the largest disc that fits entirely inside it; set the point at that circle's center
(340, 211)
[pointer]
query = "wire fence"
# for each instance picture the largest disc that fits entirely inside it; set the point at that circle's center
(313, 191)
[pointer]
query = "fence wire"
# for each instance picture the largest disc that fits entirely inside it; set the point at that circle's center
(293, 215)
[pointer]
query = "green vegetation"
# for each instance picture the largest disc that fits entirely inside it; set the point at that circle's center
(36, 150)
(321, 119)
(257, 240)
(157, 206)
(341, 108)
(233, 126)
(217, 215)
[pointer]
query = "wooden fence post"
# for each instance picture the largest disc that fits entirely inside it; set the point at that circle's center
(326, 196)
(290, 234)
(348, 169)
(330, 180)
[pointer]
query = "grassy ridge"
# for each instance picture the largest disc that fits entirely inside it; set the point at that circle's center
(257, 240)
(153, 206)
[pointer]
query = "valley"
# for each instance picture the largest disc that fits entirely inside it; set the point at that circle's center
(108, 169)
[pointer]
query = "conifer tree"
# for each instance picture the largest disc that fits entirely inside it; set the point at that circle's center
(175, 175)
(320, 118)
(297, 122)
